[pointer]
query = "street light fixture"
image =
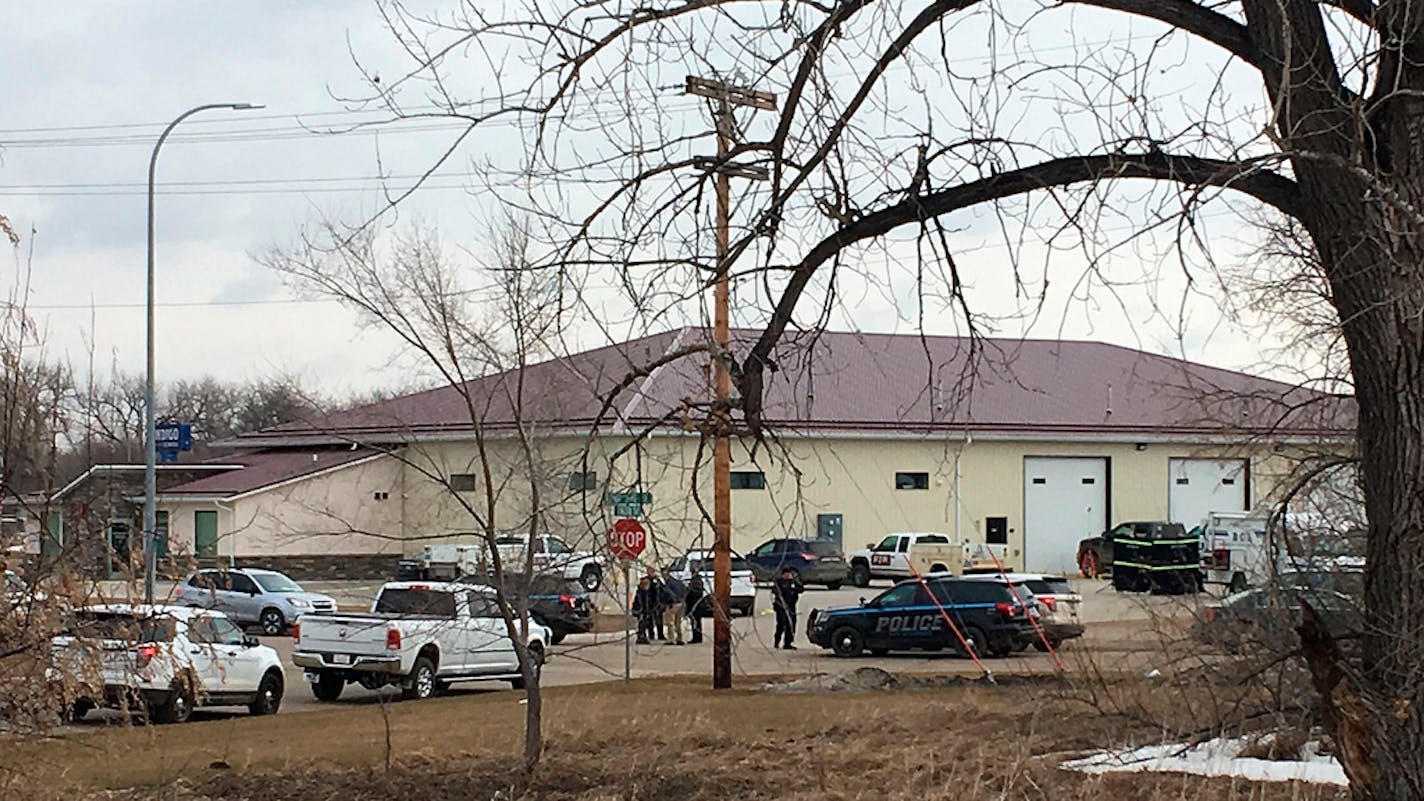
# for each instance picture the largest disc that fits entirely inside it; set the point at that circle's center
(150, 470)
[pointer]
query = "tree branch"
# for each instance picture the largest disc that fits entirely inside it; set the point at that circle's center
(1195, 19)
(1248, 177)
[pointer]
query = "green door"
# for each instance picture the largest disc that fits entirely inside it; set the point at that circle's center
(54, 538)
(160, 534)
(205, 535)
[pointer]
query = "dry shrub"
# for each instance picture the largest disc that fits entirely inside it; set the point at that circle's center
(672, 742)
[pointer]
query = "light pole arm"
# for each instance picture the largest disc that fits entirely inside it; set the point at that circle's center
(150, 446)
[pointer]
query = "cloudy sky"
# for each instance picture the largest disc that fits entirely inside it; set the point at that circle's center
(89, 85)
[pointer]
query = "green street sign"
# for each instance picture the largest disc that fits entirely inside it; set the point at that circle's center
(625, 498)
(627, 510)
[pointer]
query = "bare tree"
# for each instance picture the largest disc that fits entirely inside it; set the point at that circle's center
(881, 129)
(462, 334)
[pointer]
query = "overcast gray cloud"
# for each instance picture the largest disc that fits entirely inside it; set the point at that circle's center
(235, 184)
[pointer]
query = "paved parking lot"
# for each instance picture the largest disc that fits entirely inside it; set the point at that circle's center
(1113, 619)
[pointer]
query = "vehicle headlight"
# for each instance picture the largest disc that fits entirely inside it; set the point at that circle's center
(299, 603)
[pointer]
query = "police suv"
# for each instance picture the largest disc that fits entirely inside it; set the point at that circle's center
(908, 616)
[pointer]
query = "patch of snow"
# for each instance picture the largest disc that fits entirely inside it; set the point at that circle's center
(1218, 757)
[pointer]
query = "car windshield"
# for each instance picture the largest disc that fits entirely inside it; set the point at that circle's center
(416, 602)
(555, 585)
(276, 582)
(1047, 586)
(888, 544)
(91, 624)
(705, 565)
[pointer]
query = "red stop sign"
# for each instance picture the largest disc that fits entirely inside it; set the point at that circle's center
(627, 539)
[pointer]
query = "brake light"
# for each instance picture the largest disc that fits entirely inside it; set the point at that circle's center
(1008, 610)
(146, 653)
(567, 600)
(421, 587)
(393, 640)
(1221, 558)
(1049, 602)
(297, 631)
(810, 557)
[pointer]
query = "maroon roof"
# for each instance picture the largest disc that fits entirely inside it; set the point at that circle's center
(264, 468)
(869, 382)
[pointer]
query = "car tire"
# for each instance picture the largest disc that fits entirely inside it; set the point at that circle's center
(536, 654)
(79, 709)
(328, 686)
(269, 694)
(591, 578)
(271, 621)
(980, 641)
(860, 574)
(176, 707)
(833, 585)
(1238, 583)
(847, 642)
(422, 684)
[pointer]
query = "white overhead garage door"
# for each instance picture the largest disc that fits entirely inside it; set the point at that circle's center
(1198, 487)
(1065, 501)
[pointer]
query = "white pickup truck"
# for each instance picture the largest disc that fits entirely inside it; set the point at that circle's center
(892, 558)
(421, 636)
(551, 555)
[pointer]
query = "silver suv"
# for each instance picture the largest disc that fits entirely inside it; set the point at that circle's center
(251, 596)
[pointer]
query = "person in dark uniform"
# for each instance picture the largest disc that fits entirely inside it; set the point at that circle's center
(784, 593)
(659, 601)
(645, 606)
(692, 607)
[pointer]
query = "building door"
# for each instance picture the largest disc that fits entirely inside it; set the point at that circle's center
(1065, 501)
(53, 541)
(205, 535)
(160, 534)
(120, 548)
(1198, 487)
(831, 528)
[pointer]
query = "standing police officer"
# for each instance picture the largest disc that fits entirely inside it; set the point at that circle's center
(784, 594)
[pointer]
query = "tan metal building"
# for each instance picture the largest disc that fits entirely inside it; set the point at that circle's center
(1029, 445)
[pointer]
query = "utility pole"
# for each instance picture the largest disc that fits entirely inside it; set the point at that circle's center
(726, 96)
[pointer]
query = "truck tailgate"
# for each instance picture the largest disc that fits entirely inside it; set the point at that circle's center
(343, 634)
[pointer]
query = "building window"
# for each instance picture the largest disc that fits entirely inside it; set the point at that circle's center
(912, 481)
(748, 480)
(583, 482)
(462, 482)
(380, 496)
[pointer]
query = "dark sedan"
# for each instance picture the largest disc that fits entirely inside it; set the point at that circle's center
(812, 561)
(554, 601)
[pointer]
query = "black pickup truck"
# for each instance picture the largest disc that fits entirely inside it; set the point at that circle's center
(1095, 554)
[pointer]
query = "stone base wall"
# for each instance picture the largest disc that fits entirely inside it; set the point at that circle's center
(328, 567)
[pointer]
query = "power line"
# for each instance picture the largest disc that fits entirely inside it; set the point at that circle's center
(178, 304)
(386, 116)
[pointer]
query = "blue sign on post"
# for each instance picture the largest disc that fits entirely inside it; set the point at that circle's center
(169, 439)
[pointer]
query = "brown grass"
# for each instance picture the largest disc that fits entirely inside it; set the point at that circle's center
(666, 740)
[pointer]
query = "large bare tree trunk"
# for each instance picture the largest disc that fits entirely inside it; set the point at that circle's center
(1386, 341)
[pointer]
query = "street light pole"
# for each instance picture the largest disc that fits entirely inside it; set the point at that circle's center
(150, 447)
